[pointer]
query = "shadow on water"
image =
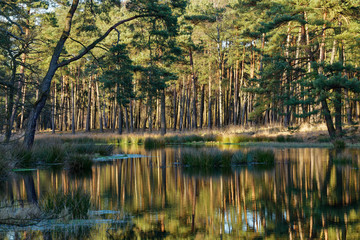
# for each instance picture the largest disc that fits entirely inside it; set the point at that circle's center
(306, 194)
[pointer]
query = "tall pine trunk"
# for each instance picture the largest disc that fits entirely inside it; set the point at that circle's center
(163, 117)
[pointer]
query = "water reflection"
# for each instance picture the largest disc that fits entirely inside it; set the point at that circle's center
(304, 196)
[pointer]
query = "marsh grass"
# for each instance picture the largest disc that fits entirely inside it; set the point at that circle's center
(339, 144)
(76, 155)
(342, 159)
(73, 204)
(77, 163)
(214, 158)
(206, 158)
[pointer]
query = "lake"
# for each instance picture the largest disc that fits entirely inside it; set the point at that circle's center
(305, 195)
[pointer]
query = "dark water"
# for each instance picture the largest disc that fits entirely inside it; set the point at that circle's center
(304, 196)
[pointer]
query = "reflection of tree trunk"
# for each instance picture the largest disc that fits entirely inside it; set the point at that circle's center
(193, 205)
(47, 235)
(30, 189)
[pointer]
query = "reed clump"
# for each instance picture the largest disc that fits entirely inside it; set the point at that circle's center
(257, 156)
(75, 155)
(73, 204)
(339, 144)
(152, 142)
(342, 159)
(79, 163)
(214, 158)
(206, 158)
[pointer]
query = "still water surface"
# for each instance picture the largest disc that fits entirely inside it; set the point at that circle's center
(304, 196)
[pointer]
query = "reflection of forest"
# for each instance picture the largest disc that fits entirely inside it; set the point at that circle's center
(304, 196)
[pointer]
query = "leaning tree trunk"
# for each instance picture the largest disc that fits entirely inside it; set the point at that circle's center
(324, 105)
(54, 65)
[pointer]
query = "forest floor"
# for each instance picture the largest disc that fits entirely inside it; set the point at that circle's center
(308, 133)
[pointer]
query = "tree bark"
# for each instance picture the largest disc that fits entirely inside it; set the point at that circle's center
(163, 117)
(202, 106)
(194, 92)
(99, 107)
(175, 109)
(72, 109)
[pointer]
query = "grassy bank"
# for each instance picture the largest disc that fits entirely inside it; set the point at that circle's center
(74, 155)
